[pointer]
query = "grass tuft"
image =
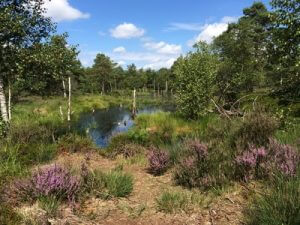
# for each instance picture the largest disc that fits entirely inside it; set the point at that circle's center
(172, 202)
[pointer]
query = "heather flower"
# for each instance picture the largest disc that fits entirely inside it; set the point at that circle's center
(200, 149)
(247, 159)
(189, 162)
(285, 157)
(252, 162)
(158, 161)
(50, 181)
(55, 180)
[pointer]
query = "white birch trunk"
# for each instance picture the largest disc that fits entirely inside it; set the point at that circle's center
(102, 93)
(3, 106)
(166, 86)
(9, 101)
(61, 113)
(64, 88)
(134, 104)
(69, 102)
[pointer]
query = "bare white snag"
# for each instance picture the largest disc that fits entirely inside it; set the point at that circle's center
(3, 107)
(69, 102)
(61, 112)
(134, 104)
(64, 88)
(166, 90)
(9, 101)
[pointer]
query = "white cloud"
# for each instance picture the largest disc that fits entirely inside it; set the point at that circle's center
(163, 48)
(229, 19)
(120, 49)
(121, 63)
(87, 57)
(210, 31)
(157, 65)
(185, 26)
(127, 31)
(60, 10)
(152, 60)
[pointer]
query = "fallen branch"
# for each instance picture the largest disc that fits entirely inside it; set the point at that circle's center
(221, 110)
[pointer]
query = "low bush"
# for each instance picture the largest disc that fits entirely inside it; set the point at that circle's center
(52, 181)
(139, 136)
(158, 161)
(123, 145)
(258, 163)
(50, 204)
(285, 157)
(177, 151)
(118, 183)
(93, 182)
(203, 166)
(257, 127)
(75, 143)
(171, 202)
(252, 163)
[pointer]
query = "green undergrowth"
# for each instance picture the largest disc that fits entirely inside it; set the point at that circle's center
(278, 204)
(114, 183)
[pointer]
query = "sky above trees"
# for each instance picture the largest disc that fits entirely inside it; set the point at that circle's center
(151, 34)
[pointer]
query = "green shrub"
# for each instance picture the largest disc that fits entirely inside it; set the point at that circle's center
(75, 143)
(118, 183)
(30, 132)
(11, 163)
(50, 204)
(171, 202)
(139, 136)
(278, 206)
(93, 182)
(123, 145)
(177, 152)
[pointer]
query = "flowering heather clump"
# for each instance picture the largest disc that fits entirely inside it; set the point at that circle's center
(252, 157)
(284, 156)
(257, 161)
(50, 181)
(200, 149)
(251, 161)
(55, 180)
(158, 161)
(189, 162)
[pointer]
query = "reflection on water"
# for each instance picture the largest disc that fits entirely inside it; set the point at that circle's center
(102, 124)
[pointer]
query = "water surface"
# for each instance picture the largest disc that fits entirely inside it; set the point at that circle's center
(102, 124)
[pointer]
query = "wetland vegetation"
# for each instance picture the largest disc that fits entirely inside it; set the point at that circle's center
(215, 140)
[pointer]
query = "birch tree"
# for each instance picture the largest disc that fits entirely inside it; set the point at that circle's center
(22, 23)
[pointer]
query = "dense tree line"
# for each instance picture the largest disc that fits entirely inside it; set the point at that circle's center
(258, 52)
(106, 76)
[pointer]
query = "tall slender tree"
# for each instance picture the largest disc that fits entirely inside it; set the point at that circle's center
(22, 24)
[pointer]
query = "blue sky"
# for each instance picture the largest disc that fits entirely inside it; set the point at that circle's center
(151, 34)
